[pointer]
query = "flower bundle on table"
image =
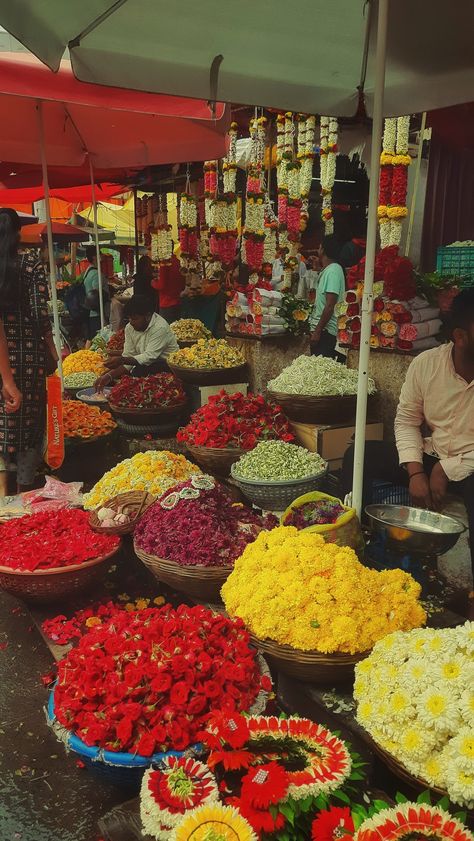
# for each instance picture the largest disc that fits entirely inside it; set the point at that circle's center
(415, 696)
(235, 421)
(132, 685)
(190, 330)
(82, 421)
(197, 523)
(84, 360)
(255, 312)
(207, 354)
(278, 461)
(317, 376)
(52, 539)
(321, 597)
(154, 471)
(147, 392)
(81, 379)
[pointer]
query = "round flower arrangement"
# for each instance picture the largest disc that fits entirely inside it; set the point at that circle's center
(415, 696)
(197, 523)
(82, 379)
(154, 471)
(84, 360)
(413, 820)
(317, 376)
(151, 392)
(235, 421)
(82, 421)
(207, 353)
(52, 539)
(177, 786)
(278, 461)
(213, 822)
(147, 681)
(190, 330)
(291, 587)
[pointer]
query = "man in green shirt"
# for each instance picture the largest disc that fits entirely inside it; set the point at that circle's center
(91, 286)
(330, 290)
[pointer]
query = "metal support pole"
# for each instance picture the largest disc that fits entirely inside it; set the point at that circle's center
(368, 298)
(137, 245)
(52, 265)
(97, 247)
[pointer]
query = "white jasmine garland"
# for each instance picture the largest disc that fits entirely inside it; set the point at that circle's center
(317, 376)
(403, 133)
(293, 180)
(389, 135)
(385, 228)
(269, 246)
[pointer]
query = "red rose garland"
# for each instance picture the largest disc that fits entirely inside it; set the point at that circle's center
(49, 540)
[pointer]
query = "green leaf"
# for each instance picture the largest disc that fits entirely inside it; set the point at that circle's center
(305, 805)
(444, 803)
(424, 797)
(461, 816)
(273, 810)
(400, 798)
(287, 811)
(341, 795)
(356, 775)
(283, 836)
(314, 623)
(380, 805)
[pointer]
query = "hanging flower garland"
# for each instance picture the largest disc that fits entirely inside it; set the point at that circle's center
(161, 238)
(254, 231)
(328, 154)
(394, 163)
(306, 154)
(178, 785)
(223, 210)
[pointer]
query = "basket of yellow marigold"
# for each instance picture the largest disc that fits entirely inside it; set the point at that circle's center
(313, 608)
(209, 362)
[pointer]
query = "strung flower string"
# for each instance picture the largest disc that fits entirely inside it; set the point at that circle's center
(394, 163)
(328, 153)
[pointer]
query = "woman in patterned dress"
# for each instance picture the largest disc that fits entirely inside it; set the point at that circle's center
(24, 314)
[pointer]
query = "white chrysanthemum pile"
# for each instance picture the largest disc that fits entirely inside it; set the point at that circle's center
(415, 695)
(317, 376)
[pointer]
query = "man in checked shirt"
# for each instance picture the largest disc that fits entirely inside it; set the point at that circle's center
(438, 393)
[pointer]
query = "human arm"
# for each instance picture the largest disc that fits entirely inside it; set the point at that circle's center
(11, 394)
(110, 377)
(326, 315)
(409, 439)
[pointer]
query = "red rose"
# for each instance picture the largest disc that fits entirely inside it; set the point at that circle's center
(146, 745)
(197, 704)
(179, 694)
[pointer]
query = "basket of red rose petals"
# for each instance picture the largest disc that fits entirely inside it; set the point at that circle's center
(147, 400)
(120, 733)
(191, 536)
(51, 555)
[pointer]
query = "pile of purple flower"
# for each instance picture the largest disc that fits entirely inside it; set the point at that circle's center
(197, 523)
(319, 512)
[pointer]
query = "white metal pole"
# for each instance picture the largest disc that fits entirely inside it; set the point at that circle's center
(52, 265)
(368, 298)
(415, 184)
(97, 248)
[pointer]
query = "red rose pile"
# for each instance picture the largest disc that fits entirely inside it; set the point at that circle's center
(147, 392)
(49, 540)
(148, 681)
(232, 420)
(192, 524)
(116, 342)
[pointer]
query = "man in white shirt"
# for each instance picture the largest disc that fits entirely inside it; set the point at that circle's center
(438, 393)
(148, 342)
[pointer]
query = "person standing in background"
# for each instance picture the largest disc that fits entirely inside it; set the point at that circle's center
(27, 328)
(10, 393)
(170, 285)
(331, 289)
(142, 282)
(91, 287)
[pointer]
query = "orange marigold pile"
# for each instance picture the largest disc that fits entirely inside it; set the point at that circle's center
(83, 421)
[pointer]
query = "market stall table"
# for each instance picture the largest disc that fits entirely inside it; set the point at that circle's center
(268, 355)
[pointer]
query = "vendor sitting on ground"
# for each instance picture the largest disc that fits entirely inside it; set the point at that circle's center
(438, 392)
(148, 342)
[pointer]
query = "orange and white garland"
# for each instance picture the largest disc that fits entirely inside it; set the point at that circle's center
(161, 246)
(328, 154)
(394, 163)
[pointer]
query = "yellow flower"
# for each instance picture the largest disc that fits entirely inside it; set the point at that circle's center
(92, 621)
(214, 822)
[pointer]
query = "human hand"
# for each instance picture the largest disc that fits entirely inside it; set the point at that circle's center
(438, 485)
(12, 396)
(315, 336)
(420, 492)
(101, 382)
(113, 362)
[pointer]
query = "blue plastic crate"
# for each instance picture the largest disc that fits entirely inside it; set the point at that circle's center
(384, 493)
(458, 262)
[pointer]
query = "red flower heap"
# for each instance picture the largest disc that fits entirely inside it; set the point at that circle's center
(232, 420)
(191, 526)
(49, 540)
(147, 392)
(147, 681)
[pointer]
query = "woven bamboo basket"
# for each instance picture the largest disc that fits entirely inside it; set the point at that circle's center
(309, 666)
(132, 503)
(214, 460)
(307, 409)
(399, 770)
(277, 496)
(147, 417)
(210, 376)
(49, 585)
(198, 582)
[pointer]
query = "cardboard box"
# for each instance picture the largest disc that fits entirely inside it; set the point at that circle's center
(331, 442)
(208, 391)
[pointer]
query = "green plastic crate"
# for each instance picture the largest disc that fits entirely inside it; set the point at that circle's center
(458, 262)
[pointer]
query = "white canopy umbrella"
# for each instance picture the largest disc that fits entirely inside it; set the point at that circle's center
(319, 58)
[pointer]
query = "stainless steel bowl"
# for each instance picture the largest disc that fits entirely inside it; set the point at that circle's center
(414, 530)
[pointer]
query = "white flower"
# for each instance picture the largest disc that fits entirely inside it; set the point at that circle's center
(389, 135)
(466, 703)
(437, 709)
(403, 131)
(460, 784)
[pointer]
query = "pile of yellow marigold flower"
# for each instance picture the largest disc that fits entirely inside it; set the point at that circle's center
(84, 360)
(207, 353)
(291, 587)
(155, 471)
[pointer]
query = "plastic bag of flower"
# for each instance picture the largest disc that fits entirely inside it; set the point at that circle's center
(338, 523)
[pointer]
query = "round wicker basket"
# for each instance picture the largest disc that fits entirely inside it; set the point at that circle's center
(277, 496)
(214, 460)
(307, 409)
(198, 582)
(71, 443)
(399, 770)
(132, 503)
(147, 417)
(210, 376)
(49, 585)
(187, 342)
(309, 666)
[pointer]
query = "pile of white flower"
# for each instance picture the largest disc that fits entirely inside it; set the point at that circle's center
(317, 376)
(277, 461)
(415, 695)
